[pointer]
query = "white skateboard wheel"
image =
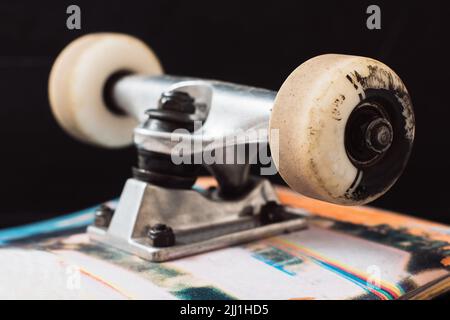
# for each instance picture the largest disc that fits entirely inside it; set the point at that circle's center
(345, 126)
(77, 81)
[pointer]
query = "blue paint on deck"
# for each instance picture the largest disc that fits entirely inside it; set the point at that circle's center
(77, 220)
(64, 223)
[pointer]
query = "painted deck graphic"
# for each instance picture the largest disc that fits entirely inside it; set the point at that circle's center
(346, 253)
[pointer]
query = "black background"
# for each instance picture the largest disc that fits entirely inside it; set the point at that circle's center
(44, 172)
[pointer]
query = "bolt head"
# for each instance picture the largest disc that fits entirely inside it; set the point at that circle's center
(103, 216)
(271, 212)
(161, 236)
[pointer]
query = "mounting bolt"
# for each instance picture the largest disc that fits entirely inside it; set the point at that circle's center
(103, 216)
(161, 236)
(271, 212)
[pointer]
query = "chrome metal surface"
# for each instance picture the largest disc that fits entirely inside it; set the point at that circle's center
(200, 221)
(234, 112)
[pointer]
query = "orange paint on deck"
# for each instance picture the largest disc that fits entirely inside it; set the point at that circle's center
(446, 262)
(367, 216)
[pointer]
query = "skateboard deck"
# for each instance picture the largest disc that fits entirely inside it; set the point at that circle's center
(345, 253)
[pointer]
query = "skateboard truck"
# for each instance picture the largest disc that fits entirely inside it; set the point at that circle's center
(162, 216)
(340, 130)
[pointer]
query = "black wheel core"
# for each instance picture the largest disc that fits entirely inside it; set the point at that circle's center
(369, 134)
(378, 142)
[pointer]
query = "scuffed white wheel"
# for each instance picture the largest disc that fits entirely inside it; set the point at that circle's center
(78, 78)
(346, 129)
